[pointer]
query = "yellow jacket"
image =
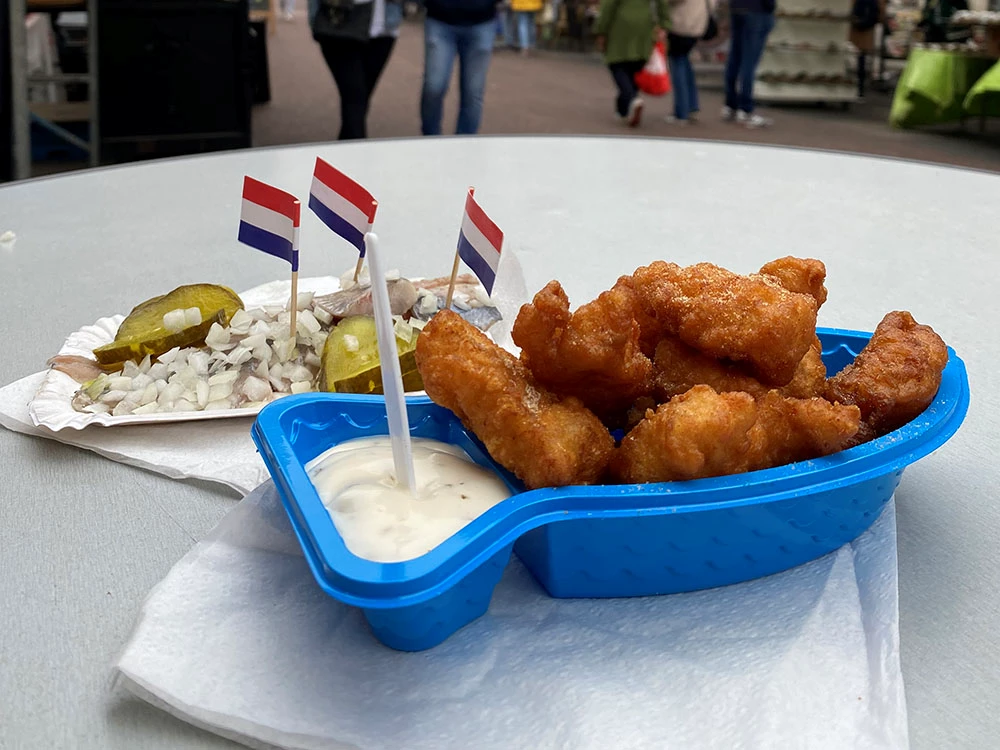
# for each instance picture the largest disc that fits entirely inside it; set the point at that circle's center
(526, 6)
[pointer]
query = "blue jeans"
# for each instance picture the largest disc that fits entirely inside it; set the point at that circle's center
(748, 34)
(685, 89)
(526, 29)
(474, 47)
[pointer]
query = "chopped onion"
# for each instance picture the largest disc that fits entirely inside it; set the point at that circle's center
(169, 356)
(308, 321)
(247, 363)
(256, 389)
(202, 391)
(120, 383)
(199, 361)
(226, 376)
(149, 394)
(140, 381)
(192, 317)
(173, 321)
(184, 405)
(219, 391)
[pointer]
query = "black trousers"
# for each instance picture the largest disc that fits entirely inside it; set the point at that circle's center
(356, 67)
(862, 73)
(624, 75)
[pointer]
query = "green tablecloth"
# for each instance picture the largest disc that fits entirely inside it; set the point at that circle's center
(939, 87)
(984, 98)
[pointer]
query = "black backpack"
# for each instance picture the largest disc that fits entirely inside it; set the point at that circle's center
(865, 15)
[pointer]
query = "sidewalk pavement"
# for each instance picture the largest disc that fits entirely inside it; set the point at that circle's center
(572, 93)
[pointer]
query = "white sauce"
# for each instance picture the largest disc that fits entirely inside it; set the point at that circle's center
(377, 519)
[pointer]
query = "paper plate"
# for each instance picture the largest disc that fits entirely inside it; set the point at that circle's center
(52, 408)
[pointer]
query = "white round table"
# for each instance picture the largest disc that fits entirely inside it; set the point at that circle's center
(82, 539)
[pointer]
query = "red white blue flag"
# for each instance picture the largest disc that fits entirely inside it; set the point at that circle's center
(342, 204)
(479, 243)
(269, 220)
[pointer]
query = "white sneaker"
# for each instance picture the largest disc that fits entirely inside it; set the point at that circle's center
(728, 114)
(671, 120)
(741, 116)
(635, 112)
(694, 116)
(758, 121)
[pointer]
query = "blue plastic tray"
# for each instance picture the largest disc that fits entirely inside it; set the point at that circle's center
(600, 541)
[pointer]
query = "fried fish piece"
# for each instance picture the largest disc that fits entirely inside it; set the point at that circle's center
(751, 319)
(702, 433)
(895, 377)
(678, 367)
(802, 275)
(635, 305)
(592, 353)
(545, 440)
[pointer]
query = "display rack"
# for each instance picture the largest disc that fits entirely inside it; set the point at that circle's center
(48, 115)
(805, 57)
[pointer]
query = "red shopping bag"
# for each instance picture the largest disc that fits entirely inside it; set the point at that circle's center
(654, 78)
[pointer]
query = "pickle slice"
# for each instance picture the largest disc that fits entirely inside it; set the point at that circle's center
(145, 322)
(356, 368)
(158, 342)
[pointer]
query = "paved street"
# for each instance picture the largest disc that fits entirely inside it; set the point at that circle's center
(570, 93)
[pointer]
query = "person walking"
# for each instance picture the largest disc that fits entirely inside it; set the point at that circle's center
(356, 42)
(625, 30)
(525, 13)
(862, 35)
(463, 29)
(688, 24)
(750, 23)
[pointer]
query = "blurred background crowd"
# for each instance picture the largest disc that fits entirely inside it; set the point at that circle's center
(89, 82)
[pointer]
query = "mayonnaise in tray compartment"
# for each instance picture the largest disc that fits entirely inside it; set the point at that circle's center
(382, 522)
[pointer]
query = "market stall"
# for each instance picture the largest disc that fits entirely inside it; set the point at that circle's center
(951, 82)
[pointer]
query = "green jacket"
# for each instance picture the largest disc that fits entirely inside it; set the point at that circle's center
(628, 27)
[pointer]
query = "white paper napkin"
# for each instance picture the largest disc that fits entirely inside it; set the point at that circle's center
(218, 450)
(239, 639)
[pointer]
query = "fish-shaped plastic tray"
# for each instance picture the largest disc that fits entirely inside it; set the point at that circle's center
(592, 541)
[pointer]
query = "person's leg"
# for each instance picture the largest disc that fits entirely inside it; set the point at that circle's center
(862, 73)
(343, 58)
(758, 26)
(475, 50)
(510, 29)
(679, 82)
(440, 47)
(625, 87)
(635, 104)
(737, 25)
(523, 40)
(692, 86)
(532, 30)
(376, 55)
